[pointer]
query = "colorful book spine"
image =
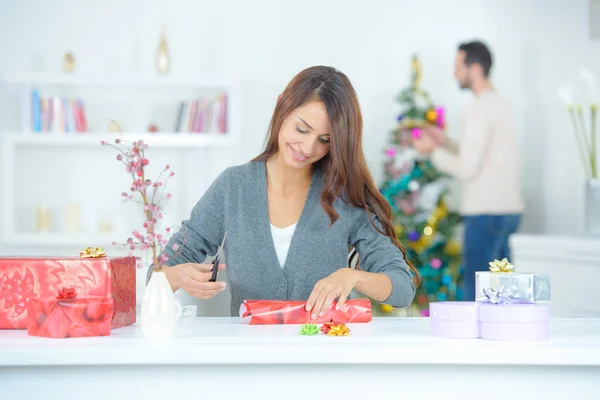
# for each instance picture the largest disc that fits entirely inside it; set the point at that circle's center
(36, 111)
(57, 114)
(203, 115)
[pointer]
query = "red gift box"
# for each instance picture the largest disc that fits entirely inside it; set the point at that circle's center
(270, 312)
(67, 316)
(24, 278)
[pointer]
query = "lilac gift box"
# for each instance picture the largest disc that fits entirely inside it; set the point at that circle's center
(514, 322)
(454, 319)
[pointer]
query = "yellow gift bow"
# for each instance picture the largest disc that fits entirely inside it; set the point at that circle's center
(92, 252)
(339, 330)
(501, 266)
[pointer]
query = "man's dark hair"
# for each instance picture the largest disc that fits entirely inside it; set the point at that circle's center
(477, 53)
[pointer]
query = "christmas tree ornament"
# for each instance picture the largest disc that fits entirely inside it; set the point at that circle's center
(386, 308)
(413, 185)
(431, 116)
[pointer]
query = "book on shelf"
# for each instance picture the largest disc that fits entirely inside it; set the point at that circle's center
(203, 115)
(57, 114)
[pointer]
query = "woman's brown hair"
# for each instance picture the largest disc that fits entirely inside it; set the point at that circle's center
(345, 169)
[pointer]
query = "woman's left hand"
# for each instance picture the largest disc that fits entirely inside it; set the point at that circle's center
(337, 285)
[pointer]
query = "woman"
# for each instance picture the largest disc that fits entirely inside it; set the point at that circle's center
(292, 213)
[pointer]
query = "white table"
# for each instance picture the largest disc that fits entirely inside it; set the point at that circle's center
(218, 358)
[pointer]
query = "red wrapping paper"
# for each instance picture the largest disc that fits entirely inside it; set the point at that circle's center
(271, 312)
(24, 278)
(63, 318)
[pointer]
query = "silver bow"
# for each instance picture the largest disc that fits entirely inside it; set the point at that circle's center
(501, 295)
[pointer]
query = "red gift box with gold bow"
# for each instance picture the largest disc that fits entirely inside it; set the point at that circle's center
(92, 274)
(66, 315)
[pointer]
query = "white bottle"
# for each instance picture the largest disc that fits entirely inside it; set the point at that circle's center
(158, 308)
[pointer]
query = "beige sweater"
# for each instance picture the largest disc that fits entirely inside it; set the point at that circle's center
(486, 160)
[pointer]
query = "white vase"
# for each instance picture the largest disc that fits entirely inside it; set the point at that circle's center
(158, 308)
(592, 207)
(162, 56)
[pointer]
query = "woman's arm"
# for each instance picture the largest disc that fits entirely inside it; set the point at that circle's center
(377, 286)
(198, 237)
(384, 275)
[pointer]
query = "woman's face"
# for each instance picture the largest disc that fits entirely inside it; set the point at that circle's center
(305, 134)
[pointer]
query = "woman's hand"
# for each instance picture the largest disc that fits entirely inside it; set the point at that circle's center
(337, 285)
(193, 278)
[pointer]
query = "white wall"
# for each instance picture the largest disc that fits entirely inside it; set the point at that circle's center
(538, 45)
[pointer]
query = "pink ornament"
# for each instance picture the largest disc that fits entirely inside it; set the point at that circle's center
(425, 313)
(441, 117)
(436, 263)
(390, 152)
(416, 133)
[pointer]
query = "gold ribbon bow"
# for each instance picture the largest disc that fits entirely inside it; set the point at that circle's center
(339, 330)
(92, 252)
(501, 266)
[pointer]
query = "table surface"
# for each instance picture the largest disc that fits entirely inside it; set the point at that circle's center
(573, 342)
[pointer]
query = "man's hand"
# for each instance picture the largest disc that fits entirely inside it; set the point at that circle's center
(424, 144)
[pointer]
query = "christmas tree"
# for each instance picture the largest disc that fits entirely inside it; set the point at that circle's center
(417, 193)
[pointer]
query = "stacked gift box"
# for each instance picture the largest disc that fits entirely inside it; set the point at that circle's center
(68, 296)
(508, 305)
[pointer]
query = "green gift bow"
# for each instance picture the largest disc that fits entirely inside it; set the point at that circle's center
(309, 329)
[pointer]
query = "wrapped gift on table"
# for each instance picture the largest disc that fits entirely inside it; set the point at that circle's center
(92, 274)
(502, 285)
(514, 322)
(454, 319)
(271, 312)
(67, 316)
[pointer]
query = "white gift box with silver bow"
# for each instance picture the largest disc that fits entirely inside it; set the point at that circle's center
(509, 287)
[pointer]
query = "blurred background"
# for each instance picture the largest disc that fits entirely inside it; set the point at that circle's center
(198, 81)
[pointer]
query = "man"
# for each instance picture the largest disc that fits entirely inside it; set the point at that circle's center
(484, 162)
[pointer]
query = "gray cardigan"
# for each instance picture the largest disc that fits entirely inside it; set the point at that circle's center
(236, 203)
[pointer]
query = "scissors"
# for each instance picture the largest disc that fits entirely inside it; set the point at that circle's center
(215, 268)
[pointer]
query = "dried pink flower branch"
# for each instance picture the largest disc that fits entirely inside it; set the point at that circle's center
(152, 197)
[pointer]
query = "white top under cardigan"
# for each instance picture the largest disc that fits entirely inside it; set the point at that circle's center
(282, 238)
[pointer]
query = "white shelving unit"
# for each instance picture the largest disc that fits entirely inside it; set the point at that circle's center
(187, 148)
(60, 240)
(156, 140)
